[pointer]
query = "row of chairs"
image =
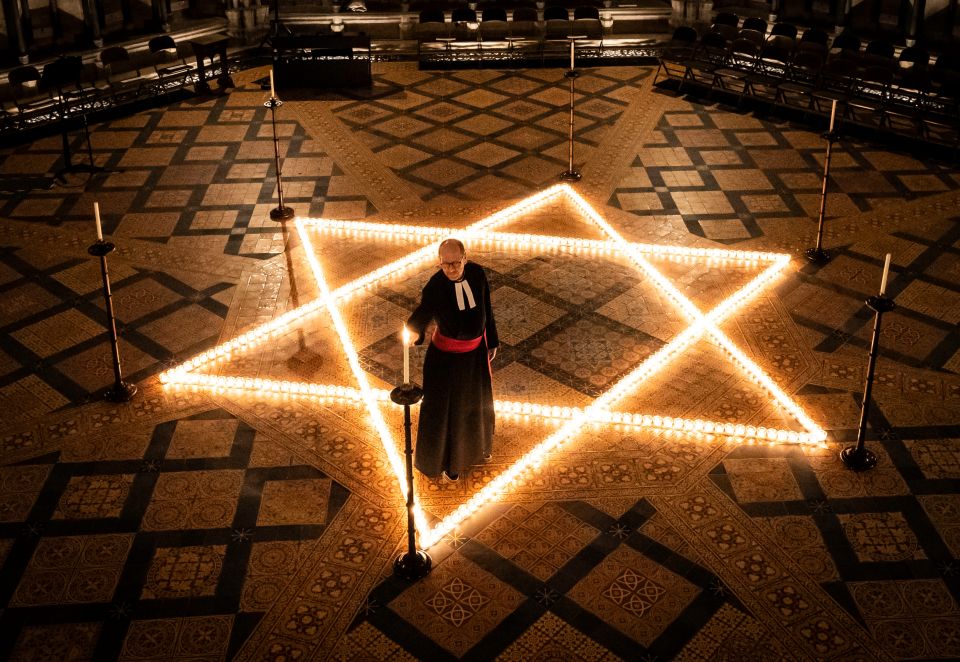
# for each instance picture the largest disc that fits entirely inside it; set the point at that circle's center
(494, 31)
(68, 86)
(871, 88)
(875, 52)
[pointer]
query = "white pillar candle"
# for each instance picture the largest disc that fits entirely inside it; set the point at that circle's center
(572, 44)
(273, 95)
(406, 355)
(886, 272)
(96, 218)
(833, 114)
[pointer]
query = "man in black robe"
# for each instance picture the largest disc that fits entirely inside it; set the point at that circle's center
(455, 430)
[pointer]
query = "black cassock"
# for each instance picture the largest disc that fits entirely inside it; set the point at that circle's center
(456, 422)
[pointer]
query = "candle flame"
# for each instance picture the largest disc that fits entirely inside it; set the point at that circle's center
(406, 336)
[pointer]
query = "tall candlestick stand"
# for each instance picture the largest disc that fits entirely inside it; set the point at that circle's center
(817, 255)
(288, 238)
(858, 457)
(282, 212)
(571, 175)
(121, 391)
(413, 564)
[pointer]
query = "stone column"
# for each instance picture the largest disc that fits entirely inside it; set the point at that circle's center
(915, 22)
(92, 19)
(12, 12)
(843, 9)
(688, 12)
(160, 16)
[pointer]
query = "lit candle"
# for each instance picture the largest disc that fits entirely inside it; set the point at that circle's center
(273, 95)
(406, 355)
(833, 114)
(572, 44)
(96, 218)
(886, 272)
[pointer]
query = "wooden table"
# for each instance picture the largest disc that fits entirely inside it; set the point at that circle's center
(209, 46)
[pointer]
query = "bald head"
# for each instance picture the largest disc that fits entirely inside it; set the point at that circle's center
(453, 256)
(451, 243)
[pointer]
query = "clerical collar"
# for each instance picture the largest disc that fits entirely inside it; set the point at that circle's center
(461, 288)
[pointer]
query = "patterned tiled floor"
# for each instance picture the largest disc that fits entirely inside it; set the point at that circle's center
(193, 525)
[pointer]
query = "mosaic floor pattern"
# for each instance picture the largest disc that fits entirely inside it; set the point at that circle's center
(191, 525)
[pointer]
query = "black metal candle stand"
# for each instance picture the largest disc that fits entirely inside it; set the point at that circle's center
(282, 212)
(413, 564)
(858, 457)
(817, 254)
(121, 391)
(571, 174)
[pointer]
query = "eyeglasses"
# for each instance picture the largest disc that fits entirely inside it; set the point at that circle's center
(454, 264)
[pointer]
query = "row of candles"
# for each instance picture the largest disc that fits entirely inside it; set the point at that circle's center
(406, 335)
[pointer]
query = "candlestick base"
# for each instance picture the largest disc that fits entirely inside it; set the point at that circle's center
(817, 255)
(121, 392)
(406, 394)
(831, 136)
(570, 176)
(881, 304)
(273, 102)
(858, 461)
(101, 248)
(572, 73)
(282, 213)
(413, 566)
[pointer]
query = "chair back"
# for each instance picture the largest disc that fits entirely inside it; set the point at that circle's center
(784, 30)
(712, 48)
(463, 15)
(586, 11)
(758, 38)
(494, 14)
(879, 47)
(805, 67)
(744, 53)
(556, 13)
(25, 86)
(726, 18)
(713, 40)
(845, 41)
(729, 32)
(775, 54)
(62, 74)
(782, 42)
(162, 42)
(914, 56)
(684, 34)
(754, 23)
(494, 30)
(814, 36)
(838, 74)
(117, 62)
(24, 76)
(525, 23)
(431, 15)
(525, 14)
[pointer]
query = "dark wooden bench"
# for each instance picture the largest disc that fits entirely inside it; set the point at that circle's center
(316, 61)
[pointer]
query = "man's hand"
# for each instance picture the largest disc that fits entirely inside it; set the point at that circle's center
(492, 353)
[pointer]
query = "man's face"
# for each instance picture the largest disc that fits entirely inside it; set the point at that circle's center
(452, 261)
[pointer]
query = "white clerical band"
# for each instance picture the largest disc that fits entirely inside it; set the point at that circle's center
(460, 288)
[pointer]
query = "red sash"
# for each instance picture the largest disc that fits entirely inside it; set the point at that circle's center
(454, 346)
